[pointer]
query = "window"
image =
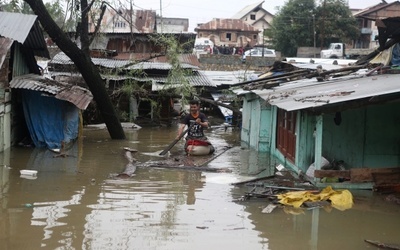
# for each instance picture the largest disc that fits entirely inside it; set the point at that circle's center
(252, 17)
(228, 36)
(119, 24)
(255, 37)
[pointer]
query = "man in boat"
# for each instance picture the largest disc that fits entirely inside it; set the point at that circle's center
(196, 141)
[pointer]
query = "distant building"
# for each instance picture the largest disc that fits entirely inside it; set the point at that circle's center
(229, 32)
(127, 32)
(366, 21)
(256, 16)
(172, 25)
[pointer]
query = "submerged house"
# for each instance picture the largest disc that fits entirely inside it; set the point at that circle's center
(150, 83)
(35, 109)
(353, 121)
(345, 120)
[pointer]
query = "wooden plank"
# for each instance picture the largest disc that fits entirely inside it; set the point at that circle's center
(365, 174)
(332, 173)
(386, 178)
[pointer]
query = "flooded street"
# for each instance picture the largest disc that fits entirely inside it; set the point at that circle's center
(74, 204)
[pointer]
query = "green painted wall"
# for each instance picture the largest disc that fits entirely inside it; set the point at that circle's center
(246, 111)
(382, 136)
(366, 137)
(255, 113)
(265, 135)
(305, 140)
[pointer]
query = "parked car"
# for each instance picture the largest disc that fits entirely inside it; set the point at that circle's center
(258, 52)
(202, 49)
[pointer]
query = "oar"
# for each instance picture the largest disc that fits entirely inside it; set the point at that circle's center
(173, 143)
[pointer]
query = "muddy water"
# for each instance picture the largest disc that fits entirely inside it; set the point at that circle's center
(73, 204)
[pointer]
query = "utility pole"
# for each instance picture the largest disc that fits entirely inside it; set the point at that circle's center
(323, 24)
(313, 17)
(262, 41)
(161, 16)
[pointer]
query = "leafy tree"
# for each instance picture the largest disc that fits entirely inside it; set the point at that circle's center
(177, 74)
(54, 8)
(82, 60)
(335, 22)
(56, 11)
(12, 6)
(294, 24)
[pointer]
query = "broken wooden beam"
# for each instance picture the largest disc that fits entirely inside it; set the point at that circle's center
(356, 175)
(190, 168)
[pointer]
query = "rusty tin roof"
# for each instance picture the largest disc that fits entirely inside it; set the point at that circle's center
(76, 95)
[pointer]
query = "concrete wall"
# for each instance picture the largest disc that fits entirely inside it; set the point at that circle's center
(234, 62)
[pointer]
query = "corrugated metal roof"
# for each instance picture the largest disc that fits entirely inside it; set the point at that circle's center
(24, 29)
(227, 24)
(80, 97)
(307, 94)
(198, 79)
(16, 26)
(63, 59)
(159, 66)
(183, 58)
(229, 77)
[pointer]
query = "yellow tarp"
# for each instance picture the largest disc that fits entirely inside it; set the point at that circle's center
(341, 200)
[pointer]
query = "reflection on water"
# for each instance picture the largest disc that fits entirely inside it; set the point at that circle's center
(73, 204)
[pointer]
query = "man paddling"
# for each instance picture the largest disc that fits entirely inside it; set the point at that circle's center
(196, 122)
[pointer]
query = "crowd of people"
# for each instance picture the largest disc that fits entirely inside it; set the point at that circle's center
(228, 50)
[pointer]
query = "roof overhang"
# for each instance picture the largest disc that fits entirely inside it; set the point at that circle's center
(76, 95)
(317, 95)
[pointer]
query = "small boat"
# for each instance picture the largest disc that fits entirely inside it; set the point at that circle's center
(199, 147)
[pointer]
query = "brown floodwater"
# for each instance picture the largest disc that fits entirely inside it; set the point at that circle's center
(74, 204)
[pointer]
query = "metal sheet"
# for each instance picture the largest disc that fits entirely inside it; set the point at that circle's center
(80, 97)
(24, 29)
(297, 96)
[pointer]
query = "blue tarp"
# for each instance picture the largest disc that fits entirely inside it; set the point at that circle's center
(396, 55)
(50, 121)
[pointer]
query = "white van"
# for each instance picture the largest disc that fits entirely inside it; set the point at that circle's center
(203, 46)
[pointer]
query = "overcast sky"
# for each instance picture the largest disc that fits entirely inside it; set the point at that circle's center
(202, 11)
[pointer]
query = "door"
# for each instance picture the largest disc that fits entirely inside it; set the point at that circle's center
(286, 134)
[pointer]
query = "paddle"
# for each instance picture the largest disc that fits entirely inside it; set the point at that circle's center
(173, 143)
